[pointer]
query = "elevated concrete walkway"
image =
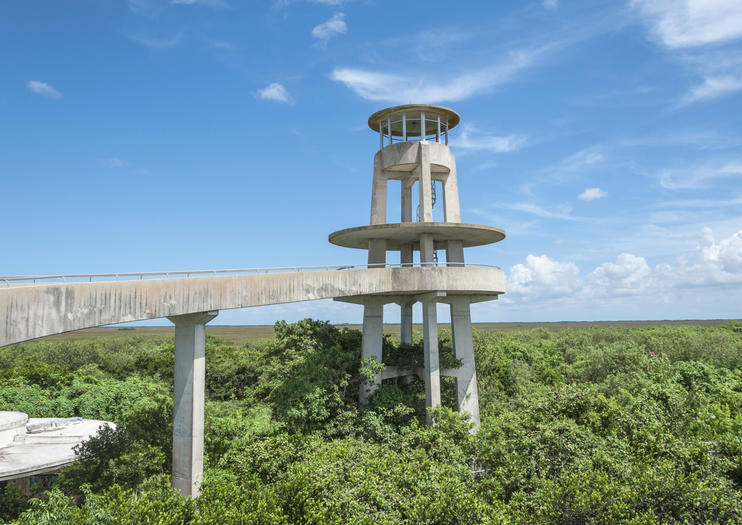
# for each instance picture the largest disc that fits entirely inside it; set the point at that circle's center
(32, 310)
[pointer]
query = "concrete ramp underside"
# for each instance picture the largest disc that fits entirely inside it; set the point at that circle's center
(37, 310)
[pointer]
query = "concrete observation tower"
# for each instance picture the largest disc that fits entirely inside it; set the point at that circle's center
(413, 149)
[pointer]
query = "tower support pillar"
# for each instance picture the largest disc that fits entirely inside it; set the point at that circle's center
(378, 194)
(372, 342)
(463, 345)
(405, 332)
(188, 401)
(430, 350)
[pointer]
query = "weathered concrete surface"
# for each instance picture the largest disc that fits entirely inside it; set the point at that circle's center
(28, 312)
(189, 395)
(402, 234)
(40, 445)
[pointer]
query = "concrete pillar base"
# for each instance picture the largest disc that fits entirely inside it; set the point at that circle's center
(188, 401)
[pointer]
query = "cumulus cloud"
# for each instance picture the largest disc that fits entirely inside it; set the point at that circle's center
(687, 23)
(710, 264)
(424, 87)
(629, 275)
(591, 194)
(275, 92)
(331, 28)
(541, 277)
(42, 88)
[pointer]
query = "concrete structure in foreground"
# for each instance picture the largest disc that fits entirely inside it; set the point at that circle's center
(39, 446)
(29, 310)
(413, 149)
(32, 307)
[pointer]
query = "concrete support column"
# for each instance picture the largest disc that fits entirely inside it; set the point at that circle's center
(373, 322)
(451, 207)
(406, 323)
(406, 214)
(405, 257)
(426, 196)
(378, 193)
(371, 342)
(432, 366)
(455, 253)
(463, 345)
(427, 246)
(188, 401)
(430, 335)
(377, 252)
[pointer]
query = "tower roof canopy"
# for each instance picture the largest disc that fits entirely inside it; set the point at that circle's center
(412, 114)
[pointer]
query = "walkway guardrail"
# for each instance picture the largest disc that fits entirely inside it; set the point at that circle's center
(10, 280)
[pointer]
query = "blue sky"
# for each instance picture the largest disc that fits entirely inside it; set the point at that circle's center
(604, 137)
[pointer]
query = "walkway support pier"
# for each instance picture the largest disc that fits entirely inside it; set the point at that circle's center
(188, 401)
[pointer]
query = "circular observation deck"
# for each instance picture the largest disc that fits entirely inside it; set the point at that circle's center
(414, 122)
(399, 235)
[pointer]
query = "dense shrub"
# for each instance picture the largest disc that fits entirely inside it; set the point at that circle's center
(596, 425)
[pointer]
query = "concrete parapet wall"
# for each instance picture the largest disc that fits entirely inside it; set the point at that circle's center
(31, 311)
(408, 154)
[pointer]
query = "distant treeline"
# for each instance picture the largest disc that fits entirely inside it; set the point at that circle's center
(609, 424)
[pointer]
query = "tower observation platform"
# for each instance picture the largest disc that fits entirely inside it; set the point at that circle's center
(413, 149)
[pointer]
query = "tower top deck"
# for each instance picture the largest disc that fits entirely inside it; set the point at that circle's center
(406, 121)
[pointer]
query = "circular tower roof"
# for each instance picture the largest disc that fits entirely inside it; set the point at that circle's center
(413, 111)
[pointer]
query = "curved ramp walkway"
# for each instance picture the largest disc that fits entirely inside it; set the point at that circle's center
(29, 310)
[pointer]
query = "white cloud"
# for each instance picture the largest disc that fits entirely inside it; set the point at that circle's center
(471, 138)
(586, 157)
(711, 88)
(333, 27)
(551, 4)
(711, 262)
(687, 23)
(113, 162)
(629, 275)
(695, 26)
(42, 88)
(563, 212)
(591, 194)
(418, 87)
(698, 176)
(147, 41)
(709, 265)
(541, 277)
(702, 203)
(276, 92)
